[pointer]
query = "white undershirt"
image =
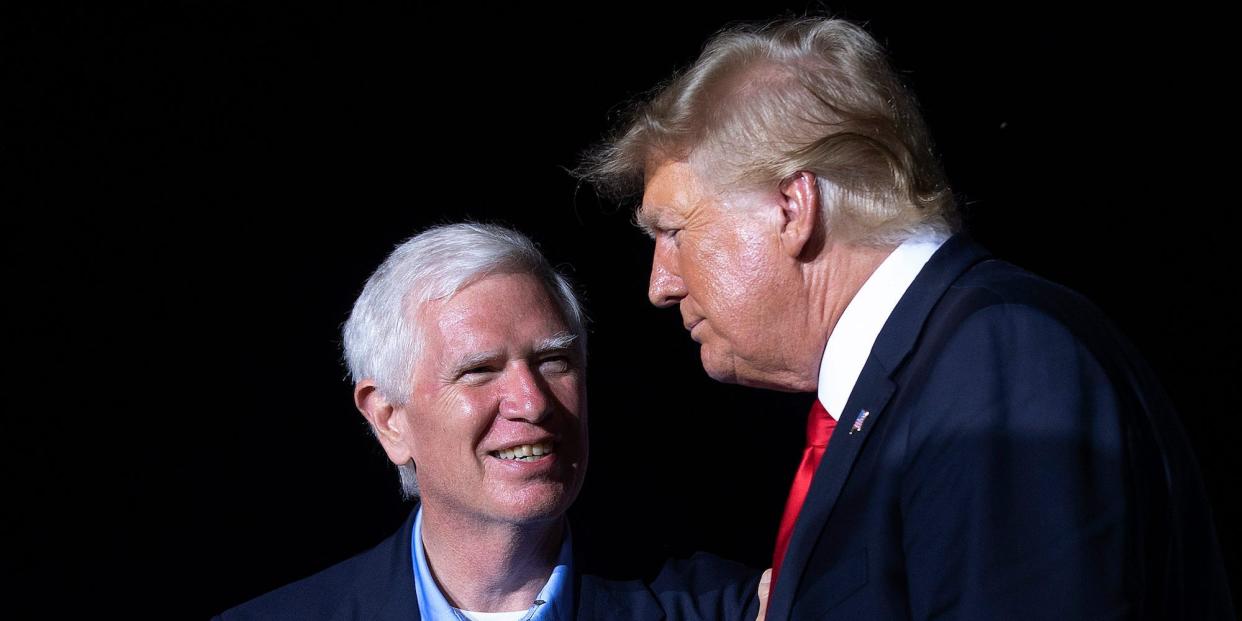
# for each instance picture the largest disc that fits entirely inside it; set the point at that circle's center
(851, 340)
(516, 615)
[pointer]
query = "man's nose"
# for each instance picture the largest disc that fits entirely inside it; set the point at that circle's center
(527, 396)
(666, 287)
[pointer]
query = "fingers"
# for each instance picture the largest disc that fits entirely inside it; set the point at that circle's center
(765, 582)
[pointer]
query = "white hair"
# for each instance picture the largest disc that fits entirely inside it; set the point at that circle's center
(382, 338)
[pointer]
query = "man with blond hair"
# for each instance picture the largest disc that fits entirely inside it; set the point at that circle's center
(984, 444)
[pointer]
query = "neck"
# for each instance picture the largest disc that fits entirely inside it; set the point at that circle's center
(485, 566)
(831, 283)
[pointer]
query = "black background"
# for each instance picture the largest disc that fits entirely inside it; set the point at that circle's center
(194, 193)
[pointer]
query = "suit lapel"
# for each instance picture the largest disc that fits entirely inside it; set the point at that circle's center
(871, 393)
(393, 586)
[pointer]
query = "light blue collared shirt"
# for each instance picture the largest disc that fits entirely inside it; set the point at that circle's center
(554, 603)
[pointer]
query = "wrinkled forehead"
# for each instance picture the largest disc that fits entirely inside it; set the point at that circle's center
(679, 193)
(668, 189)
(499, 312)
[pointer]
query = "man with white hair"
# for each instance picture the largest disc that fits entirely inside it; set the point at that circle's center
(468, 353)
(984, 444)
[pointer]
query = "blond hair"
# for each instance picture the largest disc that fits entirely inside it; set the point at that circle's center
(764, 102)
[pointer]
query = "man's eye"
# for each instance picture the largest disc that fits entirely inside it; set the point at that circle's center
(477, 372)
(556, 364)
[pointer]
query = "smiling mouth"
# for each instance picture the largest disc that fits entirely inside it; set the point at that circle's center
(525, 452)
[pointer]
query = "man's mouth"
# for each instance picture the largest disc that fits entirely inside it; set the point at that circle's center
(525, 452)
(691, 328)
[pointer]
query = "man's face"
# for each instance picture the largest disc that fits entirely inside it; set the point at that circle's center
(716, 259)
(497, 414)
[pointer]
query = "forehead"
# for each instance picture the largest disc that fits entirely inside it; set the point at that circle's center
(499, 312)
(671, 189)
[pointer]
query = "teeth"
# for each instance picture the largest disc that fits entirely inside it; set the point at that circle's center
(525, 452)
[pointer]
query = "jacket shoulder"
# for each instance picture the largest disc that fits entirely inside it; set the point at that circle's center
(997, 282)
(358, 585)
(315, 597)
(1001, 298)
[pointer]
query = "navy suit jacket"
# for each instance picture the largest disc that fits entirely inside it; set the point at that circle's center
(378, 585)
(1018, 462)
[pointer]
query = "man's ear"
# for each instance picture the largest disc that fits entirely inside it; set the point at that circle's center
(388, 422)
(800, 212)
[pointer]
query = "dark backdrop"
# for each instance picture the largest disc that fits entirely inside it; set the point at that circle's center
(195, 192)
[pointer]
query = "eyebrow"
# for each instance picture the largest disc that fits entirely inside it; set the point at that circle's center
(471, 361)
(561, 341)
(645, 221)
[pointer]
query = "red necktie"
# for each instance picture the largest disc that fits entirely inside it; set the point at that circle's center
(819, 426)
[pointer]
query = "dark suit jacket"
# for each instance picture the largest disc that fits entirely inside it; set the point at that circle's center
(1019, 462)
(379, 585)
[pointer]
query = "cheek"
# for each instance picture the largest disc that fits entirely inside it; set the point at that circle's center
(448, 425)
(569, 395)
(426, 441)
(736, 273)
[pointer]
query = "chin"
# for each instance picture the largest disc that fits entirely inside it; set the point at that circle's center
(537, 503)
(723, 373)
(724, 377)
(727, 371)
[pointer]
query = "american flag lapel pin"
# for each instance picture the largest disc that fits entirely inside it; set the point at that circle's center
(858, 422)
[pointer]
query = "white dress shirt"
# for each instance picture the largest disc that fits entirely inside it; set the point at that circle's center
(851, 340)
